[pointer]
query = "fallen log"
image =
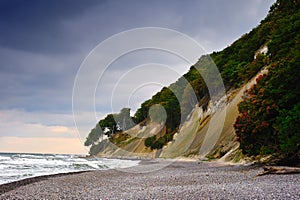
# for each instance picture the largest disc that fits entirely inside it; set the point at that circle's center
(279, 170)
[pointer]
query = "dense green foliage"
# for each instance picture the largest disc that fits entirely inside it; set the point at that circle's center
(270, 112)
(168, 100)
(155, 143)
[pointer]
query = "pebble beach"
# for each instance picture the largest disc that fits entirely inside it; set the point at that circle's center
(174, 180)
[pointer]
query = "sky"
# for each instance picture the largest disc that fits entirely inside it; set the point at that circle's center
(44, 44)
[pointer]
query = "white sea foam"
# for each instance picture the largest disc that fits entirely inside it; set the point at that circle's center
(19, 166)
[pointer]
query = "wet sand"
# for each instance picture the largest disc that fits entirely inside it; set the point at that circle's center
(175, 180)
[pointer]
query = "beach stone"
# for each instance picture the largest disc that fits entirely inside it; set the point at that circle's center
(179, 180)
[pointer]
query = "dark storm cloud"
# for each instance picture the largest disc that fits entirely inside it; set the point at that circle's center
(38, 25)
(59, 26)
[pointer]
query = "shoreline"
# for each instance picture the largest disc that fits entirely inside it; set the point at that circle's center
(177, 180)
(68, 164)
(6, 187)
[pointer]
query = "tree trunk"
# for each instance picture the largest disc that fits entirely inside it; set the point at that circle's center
(279, 170)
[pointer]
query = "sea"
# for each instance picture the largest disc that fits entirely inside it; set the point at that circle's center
(18, 166)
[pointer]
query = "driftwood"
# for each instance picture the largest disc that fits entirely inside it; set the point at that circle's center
(279, 170)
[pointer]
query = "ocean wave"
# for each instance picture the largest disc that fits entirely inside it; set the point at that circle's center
(16, 166)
